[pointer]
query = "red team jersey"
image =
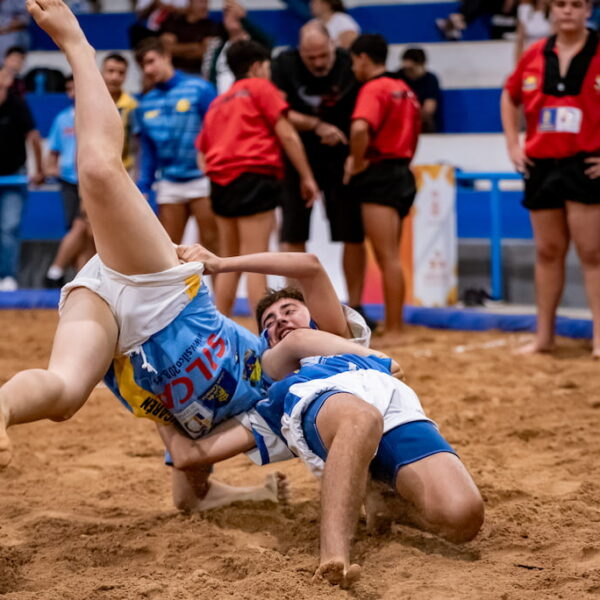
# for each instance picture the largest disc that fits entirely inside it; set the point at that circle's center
(391, 109)
(238, 134)
(562, 113)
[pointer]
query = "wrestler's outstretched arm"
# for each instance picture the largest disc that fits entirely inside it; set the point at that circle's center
(282, 359)
(319, 294)
(226, 440)
(128, 236)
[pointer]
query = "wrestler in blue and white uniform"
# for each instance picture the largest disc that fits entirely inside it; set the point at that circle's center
(177, 358)
(284, 425)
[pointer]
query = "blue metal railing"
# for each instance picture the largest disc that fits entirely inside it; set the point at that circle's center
(496, 223)
(13, 180)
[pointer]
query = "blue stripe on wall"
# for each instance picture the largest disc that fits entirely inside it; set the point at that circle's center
(400, 23)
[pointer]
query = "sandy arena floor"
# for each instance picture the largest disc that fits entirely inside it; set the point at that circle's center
(85, 510)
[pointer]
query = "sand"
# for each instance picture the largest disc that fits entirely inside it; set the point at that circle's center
(85, 510)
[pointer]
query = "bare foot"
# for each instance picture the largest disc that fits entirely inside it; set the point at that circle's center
(534, 347)
(279, 486)
(5, 445)
(57, 20)
(335, 572)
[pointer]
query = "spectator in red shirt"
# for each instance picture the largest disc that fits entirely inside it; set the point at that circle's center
(558, 83)
(383, 138)
(240, 145)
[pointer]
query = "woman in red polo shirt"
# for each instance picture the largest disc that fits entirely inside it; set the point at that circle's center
(558, 83)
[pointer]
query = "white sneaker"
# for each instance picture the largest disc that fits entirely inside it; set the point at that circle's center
(8, 284)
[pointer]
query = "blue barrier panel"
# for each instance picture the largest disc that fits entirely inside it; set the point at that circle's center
(43, 216)
(473, 217)
(471, 110)
(44, 107)
(399, 23)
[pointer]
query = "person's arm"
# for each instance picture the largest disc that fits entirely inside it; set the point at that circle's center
(284, 358)
(35, 143)
(359, 142)
(346, 38)
(292, 145)
(330, 134)
(226, 440)
(511, 120)
(52, 168)
(319, 294)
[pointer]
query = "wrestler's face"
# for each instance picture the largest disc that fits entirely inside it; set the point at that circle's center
(570, 15)
(284, 316)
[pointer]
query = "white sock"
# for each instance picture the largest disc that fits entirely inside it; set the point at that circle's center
(55, 272)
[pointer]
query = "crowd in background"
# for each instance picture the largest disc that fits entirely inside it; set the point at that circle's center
(191, 68)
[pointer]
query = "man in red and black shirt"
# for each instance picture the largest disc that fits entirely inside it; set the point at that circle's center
(557, 81)
(241, 139)
(383, 139)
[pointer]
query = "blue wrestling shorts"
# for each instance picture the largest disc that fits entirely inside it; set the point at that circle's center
(400, 446)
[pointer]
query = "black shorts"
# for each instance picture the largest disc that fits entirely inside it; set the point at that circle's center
(247, 195)
(71, 201)
(387, 182)
(343, 212)
(551, 182)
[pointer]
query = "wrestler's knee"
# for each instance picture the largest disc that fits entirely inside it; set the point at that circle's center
(189, 487)
(460, 518)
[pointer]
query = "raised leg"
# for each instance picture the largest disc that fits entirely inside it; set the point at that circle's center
(129, 237)
(83, 348)
(584, 224)
(351, 431)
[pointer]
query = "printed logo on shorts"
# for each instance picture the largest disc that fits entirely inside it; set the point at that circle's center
(530, 83)
(196, 419)
(151, 114)
(562, 119)
(183, 105)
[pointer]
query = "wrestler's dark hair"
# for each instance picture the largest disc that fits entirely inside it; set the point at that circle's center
(273, 296)
(241, 55)
(373, 45)
(149, 44)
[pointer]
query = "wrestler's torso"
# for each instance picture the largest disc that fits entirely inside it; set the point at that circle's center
(199, 370)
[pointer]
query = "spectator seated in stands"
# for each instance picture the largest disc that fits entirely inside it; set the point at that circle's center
(342, 28)
(238, 27)
(425, 85)
(16, 129)
(151, 14)
(186, 36)
(14, 59)
(502, 13)
(13, 25)
(533, 23)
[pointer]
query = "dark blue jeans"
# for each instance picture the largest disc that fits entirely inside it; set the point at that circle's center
(12, 200)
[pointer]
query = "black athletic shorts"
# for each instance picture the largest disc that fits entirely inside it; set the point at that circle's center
(343, 212)
(71, 202)
(248, 194)
(387, 182)
(550, 182)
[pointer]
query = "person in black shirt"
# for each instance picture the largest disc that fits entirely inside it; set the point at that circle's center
(424, 84)
(321, 90)
(16, 128)
(186, 36)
